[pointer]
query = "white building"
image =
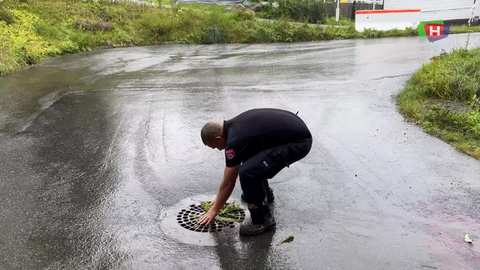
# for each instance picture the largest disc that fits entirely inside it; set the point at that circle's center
(400, 14)
(435, 9)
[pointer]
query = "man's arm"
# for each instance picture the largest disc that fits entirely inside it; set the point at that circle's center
(224, 191)
(226, 187)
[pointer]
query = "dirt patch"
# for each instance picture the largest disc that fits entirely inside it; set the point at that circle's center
(453, 106)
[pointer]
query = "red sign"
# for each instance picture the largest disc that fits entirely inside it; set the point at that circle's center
(434, 30)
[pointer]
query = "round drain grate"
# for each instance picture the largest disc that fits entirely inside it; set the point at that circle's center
(187, 218)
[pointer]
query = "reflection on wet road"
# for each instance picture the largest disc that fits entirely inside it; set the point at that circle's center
(95, 146)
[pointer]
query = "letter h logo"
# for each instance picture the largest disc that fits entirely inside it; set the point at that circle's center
(434, 30)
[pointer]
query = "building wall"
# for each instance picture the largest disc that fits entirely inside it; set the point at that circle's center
(435, 9)
(427, 4)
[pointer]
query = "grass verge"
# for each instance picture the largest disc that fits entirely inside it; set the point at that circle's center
(443, 98)
(458, 29)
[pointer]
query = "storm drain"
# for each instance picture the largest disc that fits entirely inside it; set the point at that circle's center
(188, 219)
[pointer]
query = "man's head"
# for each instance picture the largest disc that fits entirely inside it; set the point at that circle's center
(212, 135)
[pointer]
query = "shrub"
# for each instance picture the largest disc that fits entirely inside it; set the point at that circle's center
(313, 11)
(92, 26)
(217, 27)
(214, 34)
(261, 34)
(85, 41)
(243, 15)
(455, 76)
(6, 16)
(47, 30)
(343, 21)
(158, 26)
(305, 33)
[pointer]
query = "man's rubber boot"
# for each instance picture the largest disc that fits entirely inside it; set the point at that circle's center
(270, 196)
(261, 220)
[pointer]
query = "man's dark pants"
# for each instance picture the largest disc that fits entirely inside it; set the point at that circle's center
(265, 165)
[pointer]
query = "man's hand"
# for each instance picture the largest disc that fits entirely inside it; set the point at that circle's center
(209, 217)
(224, 191)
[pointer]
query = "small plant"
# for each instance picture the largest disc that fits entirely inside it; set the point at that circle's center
(475, 101)
(228, 213)
(244, 15)
(452, 138)
(214, 35)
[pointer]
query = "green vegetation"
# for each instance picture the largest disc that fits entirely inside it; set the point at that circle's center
(464, 29)
(230, 212)
(342, 22)
(288, 239)
(305, 11)
(32, 31)
(311, 11)
(443, 97)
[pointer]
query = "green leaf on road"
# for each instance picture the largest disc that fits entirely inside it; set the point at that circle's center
(288, 239)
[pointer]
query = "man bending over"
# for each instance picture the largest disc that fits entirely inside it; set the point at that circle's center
(258, 144)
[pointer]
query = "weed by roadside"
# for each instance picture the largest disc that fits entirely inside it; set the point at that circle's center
(443, 97)
(342, 21)
(456, 29)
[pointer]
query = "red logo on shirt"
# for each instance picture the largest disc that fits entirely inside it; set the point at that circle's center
(230, 154)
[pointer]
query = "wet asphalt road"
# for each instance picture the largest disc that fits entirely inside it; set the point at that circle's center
(95, 147)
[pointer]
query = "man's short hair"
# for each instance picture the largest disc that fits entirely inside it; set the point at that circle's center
(211, 130)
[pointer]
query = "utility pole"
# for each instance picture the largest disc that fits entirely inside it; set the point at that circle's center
(338, 11)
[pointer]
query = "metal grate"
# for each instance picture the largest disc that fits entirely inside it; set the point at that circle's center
(187, 218)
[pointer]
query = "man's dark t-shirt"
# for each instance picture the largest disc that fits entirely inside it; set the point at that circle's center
(259, 129)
